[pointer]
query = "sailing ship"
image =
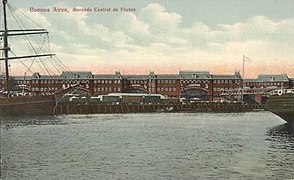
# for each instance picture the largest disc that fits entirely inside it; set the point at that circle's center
(33, 104)
(281, 103)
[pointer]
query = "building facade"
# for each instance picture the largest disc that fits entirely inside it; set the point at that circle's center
(192, 85)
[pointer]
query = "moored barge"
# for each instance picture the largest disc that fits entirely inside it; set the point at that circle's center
(281, 103)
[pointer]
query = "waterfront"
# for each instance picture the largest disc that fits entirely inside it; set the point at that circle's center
(253, 145)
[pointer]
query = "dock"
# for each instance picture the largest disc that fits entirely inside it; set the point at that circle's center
(225, 107)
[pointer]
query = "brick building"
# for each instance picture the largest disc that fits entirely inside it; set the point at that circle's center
(107, 83)
(168, 84)
(258, 88)
(136, 84)
(225, 84)
(198, 85)
(269, 81)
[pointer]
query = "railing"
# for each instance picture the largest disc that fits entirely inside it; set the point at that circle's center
(243, 91)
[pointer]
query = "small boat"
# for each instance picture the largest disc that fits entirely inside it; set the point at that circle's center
(281, 103)
(10, 104)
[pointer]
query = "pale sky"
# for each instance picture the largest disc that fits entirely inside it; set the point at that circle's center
(166, 36)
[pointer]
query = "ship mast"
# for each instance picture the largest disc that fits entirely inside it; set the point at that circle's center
(5, 34)
(6, 48)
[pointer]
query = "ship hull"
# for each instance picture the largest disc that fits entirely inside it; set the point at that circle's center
(282, 106)
(27, 106)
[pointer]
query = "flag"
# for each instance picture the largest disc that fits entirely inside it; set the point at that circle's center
(246, 59)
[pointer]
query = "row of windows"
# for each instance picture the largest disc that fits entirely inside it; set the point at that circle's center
(264, 83)
(114, 89)
(107, 81)
(45, 89)
(194, 81)
(37, 81)
(49, 81)
(166, 81)
(166, 89)
(75, 81)
(221, 89)
(95, 81)
(226, 81)
(138, 81)
(145, 82)
(22, 82)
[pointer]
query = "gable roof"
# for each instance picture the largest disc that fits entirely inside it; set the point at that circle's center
(76, 75)
(194, 75)
(272, 77)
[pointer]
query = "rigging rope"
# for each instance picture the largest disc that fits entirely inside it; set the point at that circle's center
(29, 42)
(42, 47)
(28, 68)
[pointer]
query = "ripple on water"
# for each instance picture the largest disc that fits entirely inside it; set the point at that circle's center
(148, 146)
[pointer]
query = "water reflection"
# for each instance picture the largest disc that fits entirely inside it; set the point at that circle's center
(284, 130)
(12, 122)
(281, 151)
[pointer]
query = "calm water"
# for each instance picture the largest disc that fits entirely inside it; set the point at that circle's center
(148, 146)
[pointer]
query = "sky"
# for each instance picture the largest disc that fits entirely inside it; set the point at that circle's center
(164, 36)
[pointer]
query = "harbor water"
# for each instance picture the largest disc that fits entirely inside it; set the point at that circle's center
(253, 145)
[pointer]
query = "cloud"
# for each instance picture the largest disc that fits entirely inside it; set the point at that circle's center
(130, 24)
(155, 38)
(159, 19)
(23, 19)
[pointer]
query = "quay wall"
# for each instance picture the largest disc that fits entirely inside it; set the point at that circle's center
(147, 108)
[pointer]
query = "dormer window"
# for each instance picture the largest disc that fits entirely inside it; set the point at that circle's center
(194, 76)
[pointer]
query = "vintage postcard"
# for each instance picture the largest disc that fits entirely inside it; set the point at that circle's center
(147, 89)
